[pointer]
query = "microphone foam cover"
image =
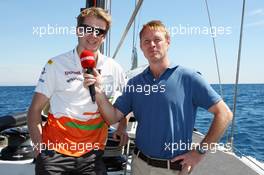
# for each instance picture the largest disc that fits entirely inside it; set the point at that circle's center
(87, 59)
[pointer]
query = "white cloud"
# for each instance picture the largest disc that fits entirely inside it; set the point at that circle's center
(257, 12)
(256, 24)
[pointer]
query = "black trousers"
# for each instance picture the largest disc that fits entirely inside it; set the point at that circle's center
(50, 162)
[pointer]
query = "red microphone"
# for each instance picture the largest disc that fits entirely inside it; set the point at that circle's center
(88, 63)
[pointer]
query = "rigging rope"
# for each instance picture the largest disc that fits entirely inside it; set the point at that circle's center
(128, 27)
(246, 157)
(215, 52)
(237, 74)
(216, 57)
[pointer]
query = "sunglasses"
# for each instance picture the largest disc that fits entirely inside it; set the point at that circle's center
(87, 29)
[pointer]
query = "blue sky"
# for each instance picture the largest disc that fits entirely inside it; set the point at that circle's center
(24, 53)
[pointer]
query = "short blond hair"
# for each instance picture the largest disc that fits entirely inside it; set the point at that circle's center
(98, 13)
(155, 25)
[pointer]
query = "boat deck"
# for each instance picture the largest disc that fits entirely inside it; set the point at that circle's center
(219, 163)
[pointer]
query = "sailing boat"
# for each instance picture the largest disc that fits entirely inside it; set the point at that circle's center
(221, 162)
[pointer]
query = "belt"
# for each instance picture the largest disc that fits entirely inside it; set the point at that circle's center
(158, 162)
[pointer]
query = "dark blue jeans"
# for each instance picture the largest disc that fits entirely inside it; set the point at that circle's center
(50, 162)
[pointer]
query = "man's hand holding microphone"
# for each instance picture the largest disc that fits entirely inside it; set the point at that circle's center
(93, 81)
(92, 78)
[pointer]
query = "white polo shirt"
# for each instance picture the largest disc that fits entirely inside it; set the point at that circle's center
(61, 80)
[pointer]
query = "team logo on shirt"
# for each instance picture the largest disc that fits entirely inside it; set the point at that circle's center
(72, 72)
(74, 78)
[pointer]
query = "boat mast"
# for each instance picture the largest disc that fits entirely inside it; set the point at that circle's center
(134, 57)
(95, 3)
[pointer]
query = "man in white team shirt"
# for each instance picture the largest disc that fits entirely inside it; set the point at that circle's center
(73, 138)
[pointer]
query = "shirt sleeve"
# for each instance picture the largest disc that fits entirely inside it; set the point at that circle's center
(203, 94)
(46, 82)
(124, 102)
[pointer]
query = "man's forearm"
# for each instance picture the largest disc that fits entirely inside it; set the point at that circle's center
(35, 128)
(216, 130)
(111, 114)
(122, 124)
(218, 127)
(34, 119)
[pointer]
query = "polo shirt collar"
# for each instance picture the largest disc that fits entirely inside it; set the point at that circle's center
(100, 60)
(171, 66)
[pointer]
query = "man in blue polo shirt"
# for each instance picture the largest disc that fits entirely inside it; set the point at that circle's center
(164, 99)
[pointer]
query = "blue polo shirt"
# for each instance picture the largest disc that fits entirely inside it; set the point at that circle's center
(165, 109)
